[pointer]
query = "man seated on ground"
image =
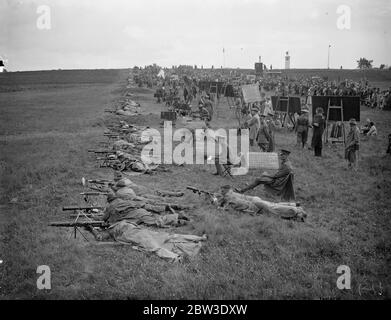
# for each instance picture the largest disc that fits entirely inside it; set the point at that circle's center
(372, 130)
(224, 157)
(204, 113)
(280, 183)
(277, 122)
(365, 129)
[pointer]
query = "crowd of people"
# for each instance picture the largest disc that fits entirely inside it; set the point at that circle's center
(186, 82)
(315, 86)
(260, 118)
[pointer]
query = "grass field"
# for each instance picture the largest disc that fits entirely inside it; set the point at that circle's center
(50, 119)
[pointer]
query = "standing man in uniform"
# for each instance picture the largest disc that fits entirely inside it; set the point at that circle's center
(253, 124)
(271, 127)
(209, 106)
(352, 145)
(263, 137)
(185, 94)
(302, 126)
(318, 125)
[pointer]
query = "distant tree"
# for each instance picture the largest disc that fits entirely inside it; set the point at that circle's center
(364, 63)
(382, 66)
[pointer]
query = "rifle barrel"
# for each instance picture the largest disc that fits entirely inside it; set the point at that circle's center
(102, 151)
(94, 193)
(199, 190)
(89, 215)
(78, 224)
(71, 208)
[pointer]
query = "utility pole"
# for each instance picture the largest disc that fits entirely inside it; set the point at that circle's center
(328, 57)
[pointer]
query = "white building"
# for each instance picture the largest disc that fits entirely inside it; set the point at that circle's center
(287, 61)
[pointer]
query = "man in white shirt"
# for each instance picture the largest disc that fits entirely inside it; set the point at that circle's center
(253, 124)
(372, 130)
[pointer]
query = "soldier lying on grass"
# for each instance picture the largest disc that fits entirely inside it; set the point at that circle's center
(128, 201)
(240, 202)
(141, 212)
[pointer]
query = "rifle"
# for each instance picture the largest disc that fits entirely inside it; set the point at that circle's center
(79, 224)
(94, 193)
(86, 208)
(199, 191)
(101, 151)
(88, 215)
(100, 181)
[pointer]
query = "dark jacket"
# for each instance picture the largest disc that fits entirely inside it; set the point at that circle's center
(319, 126)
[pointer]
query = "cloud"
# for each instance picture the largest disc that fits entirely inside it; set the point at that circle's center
(138, 32)
(135, 32)
(314, 14)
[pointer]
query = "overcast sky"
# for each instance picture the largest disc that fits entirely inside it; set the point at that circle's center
(123, 33)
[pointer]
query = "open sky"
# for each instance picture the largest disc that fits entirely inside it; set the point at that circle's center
(87, 34)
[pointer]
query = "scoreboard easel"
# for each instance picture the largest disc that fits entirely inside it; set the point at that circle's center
(285, 111)
(326, 137)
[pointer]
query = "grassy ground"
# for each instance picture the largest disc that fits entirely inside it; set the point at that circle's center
(46, 130)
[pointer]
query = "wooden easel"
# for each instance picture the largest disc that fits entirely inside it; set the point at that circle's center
(326, 137)
(285, 113)
(213, 89)
(224, 89)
